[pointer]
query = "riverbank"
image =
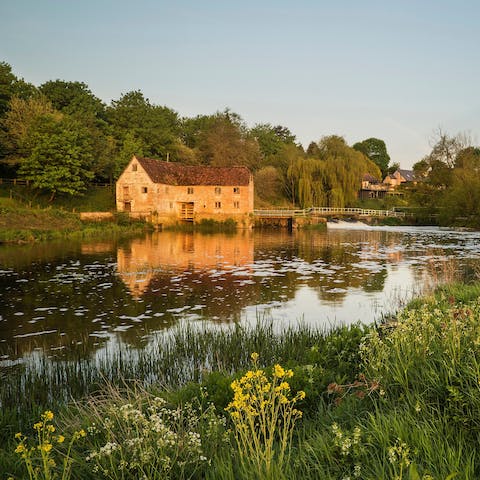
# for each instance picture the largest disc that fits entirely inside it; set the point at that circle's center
(21, 224)
(395, 400)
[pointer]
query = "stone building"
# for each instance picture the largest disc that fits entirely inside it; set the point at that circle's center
(169, 192)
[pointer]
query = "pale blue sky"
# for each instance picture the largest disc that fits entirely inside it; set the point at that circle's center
(395, 70)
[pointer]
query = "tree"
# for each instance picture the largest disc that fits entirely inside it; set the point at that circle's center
(73, 98)
(21, 116)
(331, 178)
(227, 142)
(10, 85)
(269, 184)
(461, 199)
(445, 148)
(271, 139)
(130, 146)
(158, 128)
(61, 156)
(376, 150)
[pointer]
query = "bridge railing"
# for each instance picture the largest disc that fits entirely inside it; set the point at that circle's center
(318, 211)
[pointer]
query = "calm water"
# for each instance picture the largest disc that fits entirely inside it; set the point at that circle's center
(55, 297)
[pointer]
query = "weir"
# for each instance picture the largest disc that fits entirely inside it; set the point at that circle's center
(289, 218)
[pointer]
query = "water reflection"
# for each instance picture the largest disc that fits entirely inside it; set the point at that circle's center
(69, 300)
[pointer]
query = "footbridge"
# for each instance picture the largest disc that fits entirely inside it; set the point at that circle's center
(284, 217)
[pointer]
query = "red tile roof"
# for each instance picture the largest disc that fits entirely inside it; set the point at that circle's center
(171, 173)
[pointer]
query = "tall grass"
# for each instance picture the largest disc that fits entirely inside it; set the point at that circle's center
(395, 401)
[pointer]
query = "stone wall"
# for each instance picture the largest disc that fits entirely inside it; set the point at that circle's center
(167, 204)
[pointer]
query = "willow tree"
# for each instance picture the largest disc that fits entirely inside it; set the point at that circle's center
(333, 177)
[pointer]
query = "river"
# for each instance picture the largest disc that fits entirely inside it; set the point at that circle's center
(56, 297)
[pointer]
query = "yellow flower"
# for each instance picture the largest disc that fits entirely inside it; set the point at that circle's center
(48, 415)
(45, 447)
(18, 435)
(20, 448)
(60, 439)
(254, 356)
(38, 425)
(278, 371)
(50, 428)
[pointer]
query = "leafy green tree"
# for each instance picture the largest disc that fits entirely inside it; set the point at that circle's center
(461, 199)
(130, 146)
(73, 98)
(10, 85)
(376, 150)
(269, 184)
(61, 156)
(158, 128)
(271, 140)
(227, 142)
(21, 117)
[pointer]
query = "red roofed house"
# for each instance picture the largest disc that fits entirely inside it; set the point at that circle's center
(171, 192)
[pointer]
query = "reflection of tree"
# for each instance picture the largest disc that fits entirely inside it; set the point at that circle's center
(85, 294)
(337, 257)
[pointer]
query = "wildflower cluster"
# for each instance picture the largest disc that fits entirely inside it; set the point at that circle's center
(399, 457)
(350, 449)
(263, 413)
(38, 455)
(153, 441)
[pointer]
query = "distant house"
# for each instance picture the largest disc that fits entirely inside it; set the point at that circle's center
(372, 187)
(171, 192)
(399, 177)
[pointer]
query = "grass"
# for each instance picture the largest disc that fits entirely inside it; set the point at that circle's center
(396, 400)
(95, 199)
(23, 224)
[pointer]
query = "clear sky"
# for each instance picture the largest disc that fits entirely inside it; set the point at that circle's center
(391, 69)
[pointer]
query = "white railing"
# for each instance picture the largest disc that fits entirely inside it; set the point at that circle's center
(320, 211)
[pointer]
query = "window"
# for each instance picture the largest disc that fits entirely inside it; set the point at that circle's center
(144, 190)
(171, 205)
(218, 190)
(190, 190)
(134, 167)
(166, 189)
(236, 190)
(236, 204)
(218, 205)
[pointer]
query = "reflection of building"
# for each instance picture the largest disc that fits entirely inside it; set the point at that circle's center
(171, 192)
(166, 251)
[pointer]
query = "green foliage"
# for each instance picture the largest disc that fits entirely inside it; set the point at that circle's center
(227, 142)
(61, 157)
(137, 435)
(271, 140)
(331, 178)
(412, 415)
(40, 456)
(209, 225)
(73, 98)
(376, 150)
(134, 119)
(263, 412)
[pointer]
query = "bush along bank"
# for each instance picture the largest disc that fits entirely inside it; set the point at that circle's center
(399, 400)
